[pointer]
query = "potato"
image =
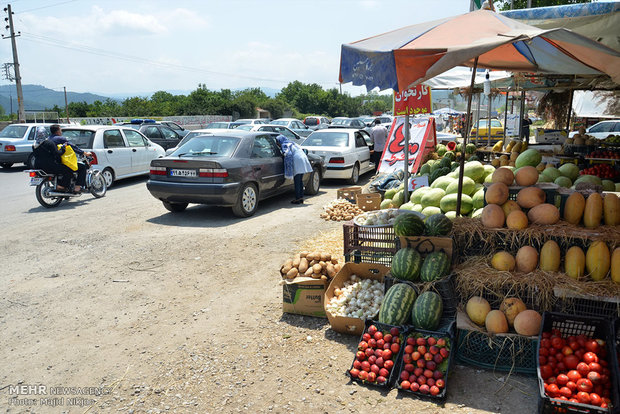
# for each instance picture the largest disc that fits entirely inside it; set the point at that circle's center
(326, 257)
(308, 272)
(337, 267)
(323, 278)
(323, 265)
(303, 254)
(291, 274)
(334, 261)
(317, 268)
(316, 275)
(285, 269)
(288, 263)
(303, 265)
(331, 270)
(296, 261)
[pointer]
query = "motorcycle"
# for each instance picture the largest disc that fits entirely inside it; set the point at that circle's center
(47, 191)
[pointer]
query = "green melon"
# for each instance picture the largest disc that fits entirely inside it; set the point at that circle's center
(430, 210)
(569, 170)
(417, 207)
(389, 194)
(552, 173)
(406, 264)
(387, 203)
(432, 197)
(488, 169)
(451, 215)
(397, 304)
(442, 182)
(407, 206)
(408, 225)
(542, 178)
(441, 150)
(528, 157)
(425, 169)
(398, 199)
(592, 179)
(427, 310)
(476, 213)
(454, 173)
(416, 195)
(488, 178)
(468, 186)
(435, 266)
(448, 203)
(474, 170)
(437, 225)
(563, 181)
(478, 199)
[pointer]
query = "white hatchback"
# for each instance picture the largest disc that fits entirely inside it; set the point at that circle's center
(345, 151)
(16, 143)
(120, 152)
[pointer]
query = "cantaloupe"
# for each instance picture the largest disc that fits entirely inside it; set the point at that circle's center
(503, 261)
(573, 208)
(497, 193)
(593, 211)
(528, 322)
(611, 209)
(526, 176)
(598, 260)
(509, 206)
(575, 262)
(550, 256)
(496, 322)
(477, 309)
(615, 266)
(511, 307)
(526, 259)
(544, 214)
(503, 175)
(492, 216)
(530, 197)
(516, 220)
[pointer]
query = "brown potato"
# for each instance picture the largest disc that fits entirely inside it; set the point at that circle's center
(285, 269)
(308, 272)
(303, 254)
(337, 266)
(288, 263)
(323, 278)
(325, 257)
(331, 270)
(334, 261)
(292, 273)
(317, 268)
(316, 275)
(303, 265)
(312, 263)
(296, 261)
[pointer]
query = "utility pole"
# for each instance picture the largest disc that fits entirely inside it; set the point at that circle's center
(66, 105)
(21, 113)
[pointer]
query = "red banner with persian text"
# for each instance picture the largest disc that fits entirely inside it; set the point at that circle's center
(422, 139)
(416, 100)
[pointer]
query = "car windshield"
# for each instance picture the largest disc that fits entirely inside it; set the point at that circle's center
(494, 123)
(237, 123)
(79, 137)
(327, 139)
(341, 122)
(14, 131)
(284, 123)
(245, 127)
(215, 125)
(367, 120)
(207, 146)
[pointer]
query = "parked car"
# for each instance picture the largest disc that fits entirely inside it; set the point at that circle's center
(281, 130)
(192, 134)
(238, 122)
(497, 130)
(599, 130)
(294, 125)
(176, 128)
(120, 152)
(316, 122)
(219, 125)
(346, 152)
(356, 123)
(16, 144)
(230, 168)
(158, 133)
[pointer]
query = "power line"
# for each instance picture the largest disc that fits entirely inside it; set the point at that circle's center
(45, 7)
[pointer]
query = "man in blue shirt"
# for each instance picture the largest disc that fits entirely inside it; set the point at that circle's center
(58, 139)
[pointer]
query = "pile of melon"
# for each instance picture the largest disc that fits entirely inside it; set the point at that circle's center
(514, 148)
(512, 314)
(596, 263)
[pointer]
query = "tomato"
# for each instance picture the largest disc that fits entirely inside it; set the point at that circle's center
(551, 360)
(584, 384)
(571, 386)
(594, 377)
(435, 390)
(567, 350)
(581, 340)
(387, 354)
(387, 337)
(595, 399)
(571, 362)
(579, 353)
(566, 392)
(545, 343)
(582, 369)
(394, 331)
(557, 342)
(405, 385)
(553, 390)
(543, 352)
(574, 345)
(583, 397)
(546, 335)
(589, 357)
(542, 360)
(559, 357)
(574, 375)
(560, 367)
(562, 380)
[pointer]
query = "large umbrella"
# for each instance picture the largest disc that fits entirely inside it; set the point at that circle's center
(408, 56)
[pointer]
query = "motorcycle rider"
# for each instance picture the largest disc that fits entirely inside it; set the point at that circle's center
(47, 158)
(58, 139)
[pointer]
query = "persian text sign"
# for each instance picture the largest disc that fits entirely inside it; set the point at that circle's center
(416, 100)
(394, 153)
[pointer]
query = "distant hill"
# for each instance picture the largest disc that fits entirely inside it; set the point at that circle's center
(38, 97)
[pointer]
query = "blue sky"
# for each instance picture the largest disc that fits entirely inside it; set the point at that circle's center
(139, 46)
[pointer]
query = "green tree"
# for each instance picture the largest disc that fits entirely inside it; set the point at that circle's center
(522, 4)
(78, 109)
(136, 106)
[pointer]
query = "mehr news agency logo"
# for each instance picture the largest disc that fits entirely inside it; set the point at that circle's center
(43, 395)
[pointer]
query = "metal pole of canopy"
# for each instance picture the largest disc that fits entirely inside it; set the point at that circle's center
(489, 100)
(406, 176)
(521, 112)
(467, 127)
(570, 109)
(505, 120)
(477, 119)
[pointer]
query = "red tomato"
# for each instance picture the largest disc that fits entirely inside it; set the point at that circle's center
(435, 390)
(543, 351)
(546, 371)
(583, 397)
(557, 342)
(583, 369)
(542, 360)
(388, 364)
(566, 392)
(394, 331)
(567, 350)
(574, 375)
(595, 399)
(571, 361)
(594, 377)
(553, 390)
(546, 335)
(589, 357)
(579, 353)
(405, 385)
(584, 384)
(551, 360)
(562, 380)
(571, 386)
(574, 345)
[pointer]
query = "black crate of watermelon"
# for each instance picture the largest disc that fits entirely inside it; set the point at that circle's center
(425, 363)
(445, 287)
(369, 244)
(378, 352)
(579, 333)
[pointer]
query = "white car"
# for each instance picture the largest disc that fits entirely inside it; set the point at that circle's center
(345, 151)
(294, 125)
(275, 128)
(120, 152)
(602, 130)
(16, 143)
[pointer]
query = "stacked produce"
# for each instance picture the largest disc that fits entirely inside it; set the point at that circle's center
(612, 139)
(378, 218)
(357, 298)
(340, 209)
(424, 365)
(594, 211)
(607, 154)
(514, 148)
(316, 265)
(512, 314)
(575, 368)
(377, 350)
(401, 304)
(601, 171)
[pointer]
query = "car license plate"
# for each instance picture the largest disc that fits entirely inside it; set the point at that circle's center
(183, 173)
(36, 180)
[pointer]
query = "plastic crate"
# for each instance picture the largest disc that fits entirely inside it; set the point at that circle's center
(369, 244)
(445, 287)
(603, 307)
(394, 373)
(592, 327)
(451, 335)
(513, 353)
(550, 190)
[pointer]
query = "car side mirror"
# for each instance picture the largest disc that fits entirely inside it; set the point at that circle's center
(305, 151)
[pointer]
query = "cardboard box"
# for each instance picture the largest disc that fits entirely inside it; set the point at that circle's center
(547, 136)
(352, 326)
(368, 202)
(349, 193)
(303, 296)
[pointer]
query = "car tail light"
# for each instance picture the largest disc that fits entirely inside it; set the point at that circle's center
(336, 160)
(9, 147)
(94, 158)
(158, 171)
(32, 173)
(213, 172)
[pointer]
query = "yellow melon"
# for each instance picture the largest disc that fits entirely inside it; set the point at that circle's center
(550, 256)
(611, 209)
(503, 175)
(575, 262)
(528, 323)
(492, 216)
(509, 206)
(497, 193)
(477, 309)
(526, 259)
(593, 211)
(530, 197)
(615, 265)
(496, 322)
(511, 307)
(573, 208)
(503, 261)
(544, 214)
(526, 176)
(516, 220)
(598, 260)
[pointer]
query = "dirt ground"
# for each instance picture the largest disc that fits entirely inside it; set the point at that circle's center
(182, 313)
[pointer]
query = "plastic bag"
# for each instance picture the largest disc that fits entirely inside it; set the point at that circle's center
(69, 158)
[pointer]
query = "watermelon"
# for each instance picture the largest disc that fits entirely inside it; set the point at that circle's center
(563, 181)
(438, 173)
(468, 186)
(569, 170)
(551, 173)
(454, 165)
(408, 225)
(397, 304)
(398, 199)
(449, 155)
(438, 225)
(448, 203)
(440, 150)
(442, 182)
(528, 157)
(432, 197)
(435, 266)
(425, 169)
(445, 163)
(434, 165)
(608, 185)
(470, 148)
(416, 195)
(474, 170)
(427, 310)
(478, 199)
(389, 194)
(406, 264)
(431, 210)
(407, 206)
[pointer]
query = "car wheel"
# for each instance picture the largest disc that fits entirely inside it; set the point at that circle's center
(6, 164)
(175, 207)
(355, 174)
(108, 176)
(247, 201)
(314, 182)
(30, 161)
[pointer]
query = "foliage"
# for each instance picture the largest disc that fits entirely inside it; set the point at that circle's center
(522, 4)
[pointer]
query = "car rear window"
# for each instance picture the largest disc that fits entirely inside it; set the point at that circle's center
(311, 121)
(14, 131)
(341, 122)
(208, 146)
(283, 123)
(79, 137)
(327, 139)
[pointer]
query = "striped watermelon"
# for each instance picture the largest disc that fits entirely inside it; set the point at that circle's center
(397, 303)
(438, 225)
(427, 310)
(406, 264)
(408, 225)
(436, 265)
